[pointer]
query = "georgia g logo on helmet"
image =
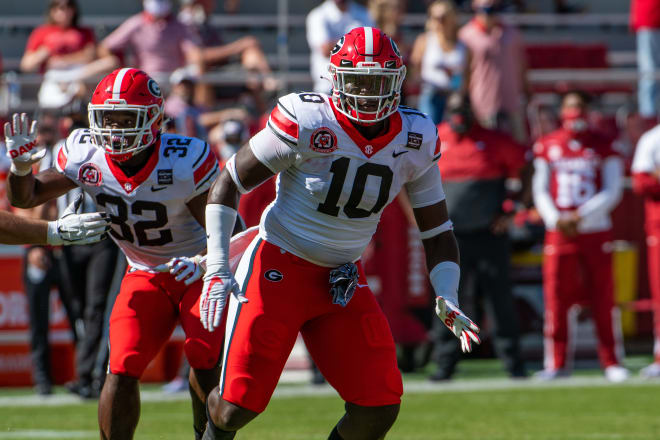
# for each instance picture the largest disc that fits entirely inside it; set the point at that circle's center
(367, 74)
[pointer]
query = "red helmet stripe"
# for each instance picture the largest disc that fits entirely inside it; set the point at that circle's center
(116, 86)
(368, 44)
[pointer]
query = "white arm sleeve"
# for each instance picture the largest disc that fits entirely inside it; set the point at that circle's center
(275, 154)
(541, 191)
(609, 196)
(427, 189)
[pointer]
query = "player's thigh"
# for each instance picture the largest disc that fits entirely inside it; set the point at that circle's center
(261, 333)
(354, 349)
(202, 347)
(142, 320)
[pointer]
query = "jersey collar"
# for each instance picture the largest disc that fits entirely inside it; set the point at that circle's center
(369, 147)
(129, 184)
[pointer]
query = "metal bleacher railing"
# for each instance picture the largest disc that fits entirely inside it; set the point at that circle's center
(292, 69)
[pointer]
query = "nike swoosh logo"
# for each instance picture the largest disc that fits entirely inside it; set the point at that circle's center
(396, 154)
(157, 188)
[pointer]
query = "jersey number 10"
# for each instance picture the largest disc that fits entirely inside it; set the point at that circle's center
(339, 170)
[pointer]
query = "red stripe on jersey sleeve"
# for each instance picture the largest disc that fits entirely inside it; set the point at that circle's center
(205, 167)
(438, 144)
(61, 158)
(283, 123)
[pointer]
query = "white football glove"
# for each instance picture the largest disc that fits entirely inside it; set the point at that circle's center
(74, 228)
(215, 294)
(20, 138)
(186, 269)
(458, 323)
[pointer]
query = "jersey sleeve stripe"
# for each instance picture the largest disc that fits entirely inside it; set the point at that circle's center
(206, 146)
(212, 174)
(61, 159)
(283, 124)
(438, 147)
(288, 113)
(205, 167)
(283, 138)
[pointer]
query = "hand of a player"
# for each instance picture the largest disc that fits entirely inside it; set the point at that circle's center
(186, 269)
(215, 294)
(458, 323)
(74, 228)
(20, 138)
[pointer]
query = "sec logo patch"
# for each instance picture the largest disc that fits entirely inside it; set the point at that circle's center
(273, 275)
(90, 174)
(323, 140)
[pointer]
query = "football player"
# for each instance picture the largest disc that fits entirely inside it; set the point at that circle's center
(154, 187)
(340, 160)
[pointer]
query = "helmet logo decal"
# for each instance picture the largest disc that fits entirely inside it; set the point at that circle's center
(323, 140)
(90, 174)
(395, 48)
(154, 88)
(338, 46)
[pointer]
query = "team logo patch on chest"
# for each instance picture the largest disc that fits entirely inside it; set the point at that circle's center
(165, 177)
(90, 174)
(414, 140)
(323, 140)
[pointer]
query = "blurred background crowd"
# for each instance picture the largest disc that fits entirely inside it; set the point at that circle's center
(505, 80)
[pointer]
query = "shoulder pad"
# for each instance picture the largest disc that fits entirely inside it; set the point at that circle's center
(296, 115)
(185, 155)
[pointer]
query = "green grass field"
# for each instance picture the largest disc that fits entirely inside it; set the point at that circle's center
(580, 408)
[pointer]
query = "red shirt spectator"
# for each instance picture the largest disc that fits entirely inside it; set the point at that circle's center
(645, 14)
(60, 43)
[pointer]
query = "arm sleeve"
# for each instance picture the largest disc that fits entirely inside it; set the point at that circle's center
(269, 149)
(604, 201)
(426, 190)
(541, 191)
(120, 37)
(205, 170)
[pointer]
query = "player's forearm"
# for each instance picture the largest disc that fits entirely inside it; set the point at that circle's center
(442, 247)
(20, 190)
(22, 230)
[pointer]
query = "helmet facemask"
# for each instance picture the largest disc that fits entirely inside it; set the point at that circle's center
(367, 93)
(123, 143)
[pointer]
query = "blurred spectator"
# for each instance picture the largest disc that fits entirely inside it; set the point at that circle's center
(387, 16)
(228, 137)
(475, 164)
(180, 106)
(158, 40)
(577, 183)
(439, 59)
(646, 182)
(58, 49)
(497, 80)
(326, 24)
(645, 21)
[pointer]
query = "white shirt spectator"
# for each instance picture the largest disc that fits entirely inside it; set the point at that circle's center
(326, 24)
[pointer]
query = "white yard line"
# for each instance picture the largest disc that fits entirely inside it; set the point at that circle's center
(292, 391)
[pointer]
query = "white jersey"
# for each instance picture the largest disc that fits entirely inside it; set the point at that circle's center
(333, 183)
(150, 220)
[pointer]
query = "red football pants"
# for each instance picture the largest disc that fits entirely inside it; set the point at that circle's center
(578, 270)
(352, 345)
(146, 311)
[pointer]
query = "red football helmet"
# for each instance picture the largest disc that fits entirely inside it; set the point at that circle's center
(367, 73)
(125, 90)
